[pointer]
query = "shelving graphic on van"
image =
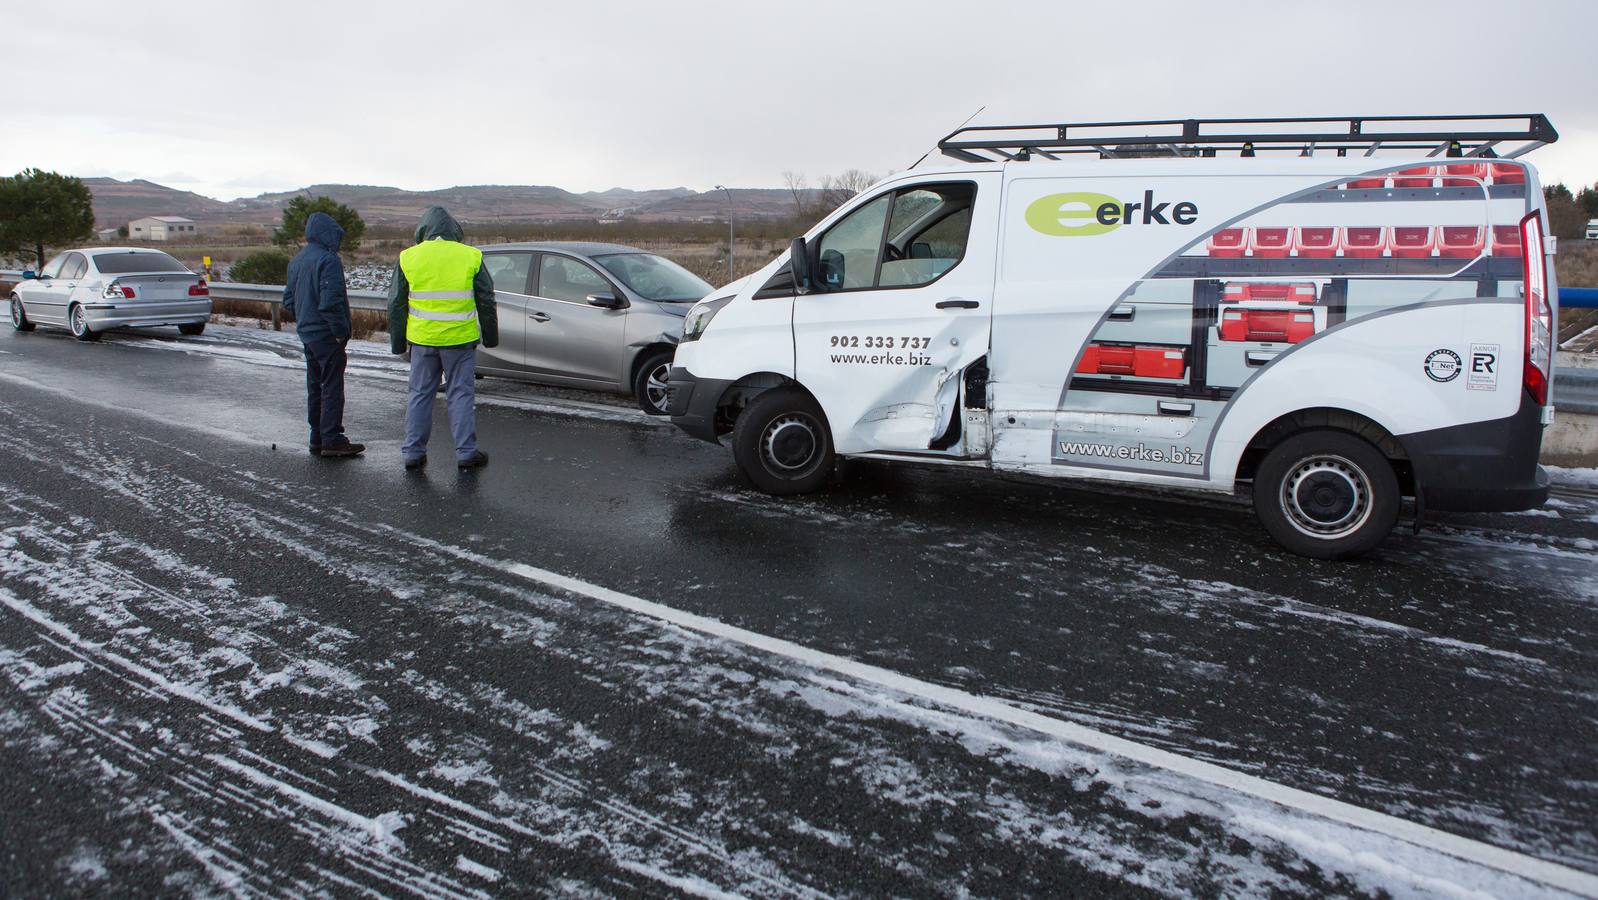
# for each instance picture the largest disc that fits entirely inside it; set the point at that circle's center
(1212, 319)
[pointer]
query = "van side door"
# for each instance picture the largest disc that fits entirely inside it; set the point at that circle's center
(902, 306)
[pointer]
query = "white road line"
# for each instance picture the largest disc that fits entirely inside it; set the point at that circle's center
(1473, 851)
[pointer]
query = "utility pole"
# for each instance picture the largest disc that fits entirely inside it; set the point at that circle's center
(723, 189)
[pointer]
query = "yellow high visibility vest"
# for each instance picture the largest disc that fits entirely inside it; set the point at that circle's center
(443, 312)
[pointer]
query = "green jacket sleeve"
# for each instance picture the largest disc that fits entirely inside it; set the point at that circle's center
(487, 311)
(399, 301)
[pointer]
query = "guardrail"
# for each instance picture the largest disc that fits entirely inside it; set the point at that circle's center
(376, 301)
(1576, 391)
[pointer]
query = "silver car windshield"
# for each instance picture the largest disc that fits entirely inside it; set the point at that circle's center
(136, 261)
(655, 277)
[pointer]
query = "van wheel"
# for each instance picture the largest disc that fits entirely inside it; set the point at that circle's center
(19, 316)
(79, 320)
(649, 382)
(782, 442)
(193, 329)
(1326, 494)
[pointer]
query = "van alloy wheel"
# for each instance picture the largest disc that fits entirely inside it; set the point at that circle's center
(1326, 497)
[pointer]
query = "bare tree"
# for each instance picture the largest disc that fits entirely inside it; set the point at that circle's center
(798, 186)
(837, 190)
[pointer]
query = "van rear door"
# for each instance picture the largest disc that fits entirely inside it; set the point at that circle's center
(903, 306)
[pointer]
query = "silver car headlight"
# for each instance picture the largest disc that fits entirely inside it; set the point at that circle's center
(698, 318)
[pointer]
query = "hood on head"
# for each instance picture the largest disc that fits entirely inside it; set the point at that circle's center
(320, 229)
(438, 223)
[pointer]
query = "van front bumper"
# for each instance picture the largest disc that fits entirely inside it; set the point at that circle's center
(1484, 466)
(691, 402)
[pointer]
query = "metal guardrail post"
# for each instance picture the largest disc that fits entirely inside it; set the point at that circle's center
(277, 324)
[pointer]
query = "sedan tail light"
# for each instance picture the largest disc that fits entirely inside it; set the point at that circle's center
(199, 290)
(117, 292)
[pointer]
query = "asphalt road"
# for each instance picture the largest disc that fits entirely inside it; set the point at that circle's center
(604, 665)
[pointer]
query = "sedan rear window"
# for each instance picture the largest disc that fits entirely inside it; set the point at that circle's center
(137, 261)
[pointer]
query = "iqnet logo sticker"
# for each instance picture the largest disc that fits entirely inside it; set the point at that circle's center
(1085, 214)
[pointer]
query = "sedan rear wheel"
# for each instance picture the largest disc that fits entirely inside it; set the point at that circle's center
(80, 324)
(19, 316)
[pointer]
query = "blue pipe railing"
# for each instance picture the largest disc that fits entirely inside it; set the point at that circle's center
(1578, 298)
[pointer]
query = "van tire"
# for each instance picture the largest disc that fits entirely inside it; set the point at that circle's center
(1326, 494)
(782, 442)
(649, 382)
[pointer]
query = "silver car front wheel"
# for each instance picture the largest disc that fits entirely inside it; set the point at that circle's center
(19, 316)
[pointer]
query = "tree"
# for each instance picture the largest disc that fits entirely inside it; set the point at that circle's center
(40, 209)
(1587, 199)
(292, 232)
(836, 190)
(261, 267)
(798, 186)
(1566, 220)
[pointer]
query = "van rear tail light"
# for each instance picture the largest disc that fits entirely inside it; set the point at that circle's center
(1364, 242)
(1464, 175)
(118, 292)
(1319, 243)
(1506, 240)
(1414, 178)
(1539, 308)
(1508, 173)
(1461, 241)
(199, 290)
(1270, 243)
(1228, 243)
(1413, 242)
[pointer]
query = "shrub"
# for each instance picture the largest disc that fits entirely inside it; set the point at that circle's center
(261, 267)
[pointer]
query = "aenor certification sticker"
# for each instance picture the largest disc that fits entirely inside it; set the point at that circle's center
(1481, 370)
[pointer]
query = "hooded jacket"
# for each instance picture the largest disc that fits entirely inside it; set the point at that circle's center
(315, 290)
(438, 224)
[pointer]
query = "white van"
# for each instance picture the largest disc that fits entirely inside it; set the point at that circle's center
(1180, 304)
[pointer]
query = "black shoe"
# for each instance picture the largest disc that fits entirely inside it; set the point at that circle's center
(342, 450)
(475, 461)
(416, 463)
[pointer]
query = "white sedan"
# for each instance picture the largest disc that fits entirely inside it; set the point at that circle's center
(93, 290)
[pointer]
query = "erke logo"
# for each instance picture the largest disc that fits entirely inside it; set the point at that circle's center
(1057, 214)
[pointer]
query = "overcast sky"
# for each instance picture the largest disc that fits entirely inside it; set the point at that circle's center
(234, 99)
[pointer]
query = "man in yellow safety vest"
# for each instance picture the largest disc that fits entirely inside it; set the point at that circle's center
(440, 304)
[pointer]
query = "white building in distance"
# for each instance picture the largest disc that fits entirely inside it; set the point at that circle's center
(160, 228)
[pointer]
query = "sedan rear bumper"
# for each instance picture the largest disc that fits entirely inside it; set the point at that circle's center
(102, 316)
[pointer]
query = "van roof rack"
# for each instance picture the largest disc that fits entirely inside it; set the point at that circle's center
(1492, 136)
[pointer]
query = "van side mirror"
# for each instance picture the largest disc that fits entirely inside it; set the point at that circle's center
(799, 262)
(604, 300)
(29, 275)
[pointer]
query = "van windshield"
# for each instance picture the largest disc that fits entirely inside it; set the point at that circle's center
(655, 277)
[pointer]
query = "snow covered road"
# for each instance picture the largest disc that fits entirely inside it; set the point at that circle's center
(605, 666)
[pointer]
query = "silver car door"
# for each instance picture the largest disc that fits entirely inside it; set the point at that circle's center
(511, 272)
(42, 298)
(567, 336)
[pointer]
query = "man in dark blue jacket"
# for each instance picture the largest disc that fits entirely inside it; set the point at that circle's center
(315, 295)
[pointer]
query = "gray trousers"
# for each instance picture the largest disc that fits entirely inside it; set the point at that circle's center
(459, 367)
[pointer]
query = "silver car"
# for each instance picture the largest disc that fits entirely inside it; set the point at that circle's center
(598, 316)
(96, 289)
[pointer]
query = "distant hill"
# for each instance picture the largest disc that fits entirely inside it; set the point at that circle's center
(118, 202)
